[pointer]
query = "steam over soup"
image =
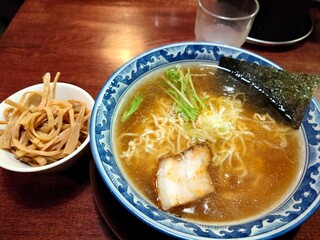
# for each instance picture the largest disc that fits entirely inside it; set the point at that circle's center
(254, 157)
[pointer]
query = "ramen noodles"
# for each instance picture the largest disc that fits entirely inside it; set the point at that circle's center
(255, 156)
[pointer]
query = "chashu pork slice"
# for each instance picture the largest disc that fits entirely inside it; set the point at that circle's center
(183, 178)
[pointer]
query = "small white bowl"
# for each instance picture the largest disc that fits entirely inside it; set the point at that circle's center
(64, 91)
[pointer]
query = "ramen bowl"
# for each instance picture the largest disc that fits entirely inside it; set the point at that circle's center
(63, 91)
(297, 205)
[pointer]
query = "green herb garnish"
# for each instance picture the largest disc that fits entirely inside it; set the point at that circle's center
(180, 88)
(134, 105)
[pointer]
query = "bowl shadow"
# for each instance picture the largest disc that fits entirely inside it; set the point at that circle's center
(43, 190)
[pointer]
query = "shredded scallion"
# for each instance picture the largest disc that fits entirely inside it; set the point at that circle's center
(181, 89)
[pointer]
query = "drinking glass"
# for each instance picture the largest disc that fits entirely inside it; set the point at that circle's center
(225, 21)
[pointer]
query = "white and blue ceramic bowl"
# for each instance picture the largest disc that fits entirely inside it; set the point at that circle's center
(297, 207)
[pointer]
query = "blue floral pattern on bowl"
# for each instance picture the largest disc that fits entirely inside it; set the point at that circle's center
(295, 210)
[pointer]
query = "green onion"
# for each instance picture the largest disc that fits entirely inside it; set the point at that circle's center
(180, 88)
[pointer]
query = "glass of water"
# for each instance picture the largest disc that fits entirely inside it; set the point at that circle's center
(225, 21)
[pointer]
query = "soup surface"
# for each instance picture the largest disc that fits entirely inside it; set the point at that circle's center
(256, 158)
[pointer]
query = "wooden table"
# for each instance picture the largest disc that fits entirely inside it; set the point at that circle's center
(87, 41)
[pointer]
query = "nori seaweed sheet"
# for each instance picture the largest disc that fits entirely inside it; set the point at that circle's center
(290, 93)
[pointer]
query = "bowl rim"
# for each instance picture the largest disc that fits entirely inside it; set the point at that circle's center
(29, 169)
(117, 190)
